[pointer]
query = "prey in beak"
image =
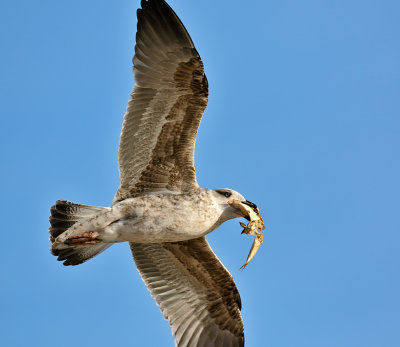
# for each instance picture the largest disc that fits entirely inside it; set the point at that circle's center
(238, 205)
(256, 225)
(250, 204)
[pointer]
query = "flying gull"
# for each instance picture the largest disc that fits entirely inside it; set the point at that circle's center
(159, 208)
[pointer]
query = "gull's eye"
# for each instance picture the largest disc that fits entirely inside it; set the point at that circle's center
(225, 193)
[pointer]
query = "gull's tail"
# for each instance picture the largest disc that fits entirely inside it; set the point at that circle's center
(65, 214)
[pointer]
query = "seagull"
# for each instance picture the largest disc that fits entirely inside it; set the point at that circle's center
(159, 208)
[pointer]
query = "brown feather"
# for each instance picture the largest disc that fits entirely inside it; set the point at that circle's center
(163, 115)
(194, 291)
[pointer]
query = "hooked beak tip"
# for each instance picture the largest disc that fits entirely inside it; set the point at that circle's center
(249, 203)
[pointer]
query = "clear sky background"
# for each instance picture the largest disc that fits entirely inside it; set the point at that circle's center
(303, 119)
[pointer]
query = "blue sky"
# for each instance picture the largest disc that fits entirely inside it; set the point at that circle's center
(303, 119)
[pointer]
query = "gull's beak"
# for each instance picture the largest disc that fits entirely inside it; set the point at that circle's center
(252, 205)
(230, 202)
(249, 203)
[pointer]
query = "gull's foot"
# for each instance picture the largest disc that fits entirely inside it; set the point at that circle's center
(87, 238)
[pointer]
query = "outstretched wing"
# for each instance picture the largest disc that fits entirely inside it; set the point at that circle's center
(195, 292)
(193, 289)
(156, 151)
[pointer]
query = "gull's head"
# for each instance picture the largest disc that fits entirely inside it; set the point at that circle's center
(224, 198)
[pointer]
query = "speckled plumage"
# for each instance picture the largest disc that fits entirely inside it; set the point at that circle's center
(152, 219)
(159, 207)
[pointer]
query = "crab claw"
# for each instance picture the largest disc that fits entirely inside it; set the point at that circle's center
(244, 226)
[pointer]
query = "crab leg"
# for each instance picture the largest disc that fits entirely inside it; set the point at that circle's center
(253, 250)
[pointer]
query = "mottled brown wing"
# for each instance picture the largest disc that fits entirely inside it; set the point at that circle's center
(195, 292)
(156, 151)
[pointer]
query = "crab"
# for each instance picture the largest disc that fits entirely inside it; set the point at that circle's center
(254, 227)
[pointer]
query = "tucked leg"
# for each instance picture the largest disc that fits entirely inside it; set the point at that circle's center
(86, 238)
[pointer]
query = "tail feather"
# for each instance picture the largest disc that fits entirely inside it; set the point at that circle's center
(65, 214)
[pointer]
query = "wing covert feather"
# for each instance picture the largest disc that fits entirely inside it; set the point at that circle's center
(195, 292)
(156, 151)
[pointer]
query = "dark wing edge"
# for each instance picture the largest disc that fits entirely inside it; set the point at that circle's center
(195, 292)
(156, 152)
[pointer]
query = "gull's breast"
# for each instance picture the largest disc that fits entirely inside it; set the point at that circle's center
(163, 218)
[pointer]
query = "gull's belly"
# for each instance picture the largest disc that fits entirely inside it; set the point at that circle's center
(155, 219)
